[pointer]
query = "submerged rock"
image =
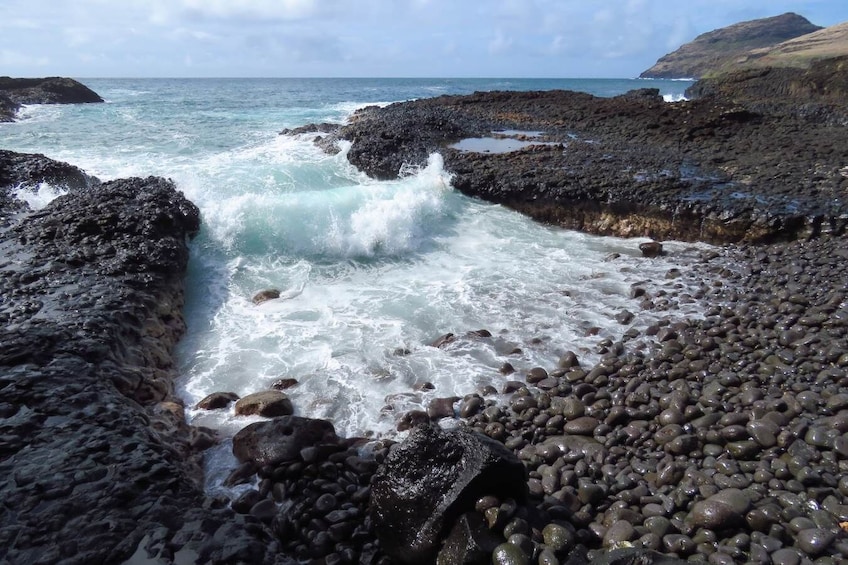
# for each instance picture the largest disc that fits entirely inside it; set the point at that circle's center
(651, 249)
(265, 295)
(217, 400)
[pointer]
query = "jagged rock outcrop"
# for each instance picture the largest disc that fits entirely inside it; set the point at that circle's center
(52, 90)
(711, 51)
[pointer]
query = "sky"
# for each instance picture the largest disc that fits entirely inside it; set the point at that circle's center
(365, 38)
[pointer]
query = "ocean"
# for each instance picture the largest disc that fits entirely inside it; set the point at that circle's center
(370, 272)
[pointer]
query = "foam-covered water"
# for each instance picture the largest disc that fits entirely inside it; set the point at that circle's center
(370, 272)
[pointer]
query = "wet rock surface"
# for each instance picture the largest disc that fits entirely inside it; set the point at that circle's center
(722, 168)
(430, 479)
(97, 462)
(721, 439)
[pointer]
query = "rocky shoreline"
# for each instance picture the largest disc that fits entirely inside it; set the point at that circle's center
(720, 440)
(725, 167)
(95, 453)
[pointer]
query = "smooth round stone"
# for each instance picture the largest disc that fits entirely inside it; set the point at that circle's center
(819, 437)
(786, 556)
(719, 558)
(722, 510)
(743, 449)
(658, 525)
(509, 554)
(572, 408)
(582, 426)
(547, 557)
(620, 531)
(671, 416)
(668, 433)
(557, 537)
(815, 541)
(682, 445)
(763, 432)
(325, 503)
(679, 543)
(524, 542)
(536, 374)
(516, 526)
(486, 502)
(801, 523)
(264, 510)
(590, 493)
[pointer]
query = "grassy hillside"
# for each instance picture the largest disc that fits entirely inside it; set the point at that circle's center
(800, 52)
(722, 47)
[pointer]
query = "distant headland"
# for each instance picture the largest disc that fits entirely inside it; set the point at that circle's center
(15, 92)
(788, 40)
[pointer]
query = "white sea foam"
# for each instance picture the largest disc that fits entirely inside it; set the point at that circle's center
(38, 196)
(370, 272)
(674, 97)
(372, 269)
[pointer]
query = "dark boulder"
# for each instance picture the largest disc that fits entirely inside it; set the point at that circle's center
(281, 439)
(8, 108)
(269, 403)
(217, 400)
(430, 479)
(283, 384)
(265, 295)
(651, 249)
(470, 542)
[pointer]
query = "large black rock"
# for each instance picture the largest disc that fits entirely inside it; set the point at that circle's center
(430, 479)
(281, 439)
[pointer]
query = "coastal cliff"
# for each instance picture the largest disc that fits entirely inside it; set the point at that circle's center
(716, 49)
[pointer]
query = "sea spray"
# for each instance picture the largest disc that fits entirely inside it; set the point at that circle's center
(370, 272)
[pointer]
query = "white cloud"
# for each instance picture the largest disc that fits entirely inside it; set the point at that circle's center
(16, 59)
(252, 9)
(500, 44)
(76, 36)
(363, 37)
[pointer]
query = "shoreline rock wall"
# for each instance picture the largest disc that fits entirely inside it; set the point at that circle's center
(95, 453)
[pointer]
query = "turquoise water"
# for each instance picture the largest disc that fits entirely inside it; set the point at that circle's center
(366, 268)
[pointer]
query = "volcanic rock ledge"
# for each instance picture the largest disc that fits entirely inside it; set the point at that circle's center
(722, 168)
(95, 455)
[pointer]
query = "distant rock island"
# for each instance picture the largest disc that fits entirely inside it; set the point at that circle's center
(726, 48)
(51, 90)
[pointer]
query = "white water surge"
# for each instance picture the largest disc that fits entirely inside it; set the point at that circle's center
(370, 272)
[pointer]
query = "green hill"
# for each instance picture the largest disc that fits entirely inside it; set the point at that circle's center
(720, 48)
